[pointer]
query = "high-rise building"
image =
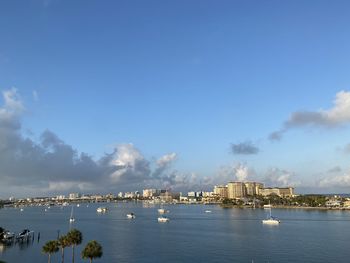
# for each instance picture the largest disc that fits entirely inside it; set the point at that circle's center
(280, 191)
(220, 191)
(236, 190)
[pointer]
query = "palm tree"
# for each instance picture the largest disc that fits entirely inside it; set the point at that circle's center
(63, 242)
(75, 238)
(92, 250)
(50, 247)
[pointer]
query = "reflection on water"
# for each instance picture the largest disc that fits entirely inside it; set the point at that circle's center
(21, 244)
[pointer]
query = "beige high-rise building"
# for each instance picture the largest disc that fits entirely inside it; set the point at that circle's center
(258, 186)
(220, 191)
(236, 190)
(280, 191)
(252, 188)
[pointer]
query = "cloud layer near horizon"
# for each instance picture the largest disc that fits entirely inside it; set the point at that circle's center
(51, 165)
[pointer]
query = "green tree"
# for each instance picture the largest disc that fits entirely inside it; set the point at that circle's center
(63, 242)
(75, 238)
(92, 250)
(50, 247)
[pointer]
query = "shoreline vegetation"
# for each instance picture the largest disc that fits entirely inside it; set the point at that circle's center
(311, 201)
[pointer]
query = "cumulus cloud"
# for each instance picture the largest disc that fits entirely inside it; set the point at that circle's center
(278, 177)
(336, 116)
(341, 180)
(245, 148)
(235, 172)
(49, 165)
(130, 165)
(163, 163)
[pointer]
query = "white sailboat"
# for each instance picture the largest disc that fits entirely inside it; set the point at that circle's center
(271, 220)
(71, 219)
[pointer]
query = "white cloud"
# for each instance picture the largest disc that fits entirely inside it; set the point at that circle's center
(336, 116)
(237, 171)
(278, 177)
(129, 163)
(342, 180)
(166, 159)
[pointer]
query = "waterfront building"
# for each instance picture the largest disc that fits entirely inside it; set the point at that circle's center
(74, 196)
(220, 191)
(192, 194)
(236, 190)
(148, 193)
(60, 197)
(280, 191)
(252, 188)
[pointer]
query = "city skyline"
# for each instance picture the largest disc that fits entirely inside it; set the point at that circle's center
(186, 95)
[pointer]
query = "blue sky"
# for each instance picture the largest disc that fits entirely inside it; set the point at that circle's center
(184, 77)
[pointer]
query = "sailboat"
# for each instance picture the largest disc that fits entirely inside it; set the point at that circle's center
(271, 220)
(71, 219)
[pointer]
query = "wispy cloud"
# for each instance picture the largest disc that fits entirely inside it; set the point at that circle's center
(336, 116)
(244, 148)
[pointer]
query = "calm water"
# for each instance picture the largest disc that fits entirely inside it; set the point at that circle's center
(225, 235)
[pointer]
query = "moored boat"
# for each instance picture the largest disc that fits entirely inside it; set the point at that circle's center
(131, 216)
(163, 219)
(102, 210)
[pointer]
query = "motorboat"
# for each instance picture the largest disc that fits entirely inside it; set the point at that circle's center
(267, 206)
(163, 219)
(208, 211)
(102, 210)
(8, 236)
(25, 234)
(131, 216)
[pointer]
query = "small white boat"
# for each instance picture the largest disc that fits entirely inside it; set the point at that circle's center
(163, 219)
(78, 205)
(131, 216)
(271, 221)
(208, 211)
(71, 219)
(267, 206)
(102, 210)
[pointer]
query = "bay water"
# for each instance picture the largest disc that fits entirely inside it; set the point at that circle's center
(192, 235)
